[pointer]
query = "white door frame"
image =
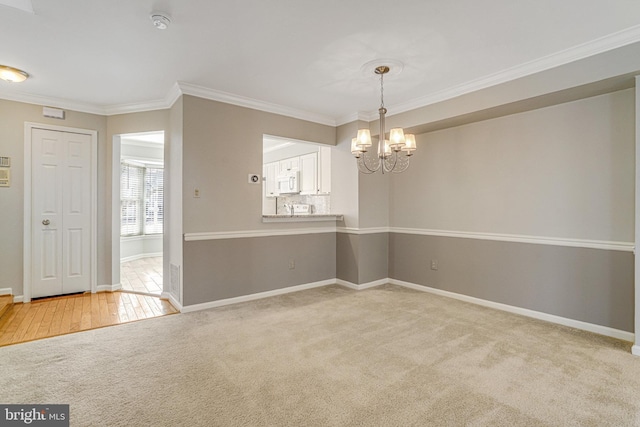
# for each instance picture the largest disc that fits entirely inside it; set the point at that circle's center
(28, 127)
(116, 158)
(636, 251)
(115, 213)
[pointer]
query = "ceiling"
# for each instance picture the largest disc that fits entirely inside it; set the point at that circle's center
(301, 57)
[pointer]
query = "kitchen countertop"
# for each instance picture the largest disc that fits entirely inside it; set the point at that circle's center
(301, 217)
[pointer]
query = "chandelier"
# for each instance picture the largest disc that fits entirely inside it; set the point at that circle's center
(394, 153)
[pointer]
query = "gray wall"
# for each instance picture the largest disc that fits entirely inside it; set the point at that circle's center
(347, 257)
(590, 285)
(374, 250)
(221, 145)
(564, 172)
(362, 258)
(227, 268)
(345, 176)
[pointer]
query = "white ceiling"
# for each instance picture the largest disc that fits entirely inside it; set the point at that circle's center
(303, 55)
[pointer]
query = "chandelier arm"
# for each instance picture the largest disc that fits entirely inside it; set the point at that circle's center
(387, 161)
(365, 171)
(402, 168)
(363, 167)
(402, 164)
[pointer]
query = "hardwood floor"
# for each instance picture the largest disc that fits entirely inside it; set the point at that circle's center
(62, 315)
(142, 275)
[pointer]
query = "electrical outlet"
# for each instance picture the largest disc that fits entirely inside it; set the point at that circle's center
(196, 193)
(434, 264)
(292, 264)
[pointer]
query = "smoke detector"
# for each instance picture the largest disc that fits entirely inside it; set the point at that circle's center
(160, 20)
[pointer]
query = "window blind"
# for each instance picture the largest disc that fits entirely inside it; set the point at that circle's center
(131, 199)
(153, 200)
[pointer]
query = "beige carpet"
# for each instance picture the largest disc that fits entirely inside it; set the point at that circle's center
(386, 356)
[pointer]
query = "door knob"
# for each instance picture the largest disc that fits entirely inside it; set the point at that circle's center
(46, 222)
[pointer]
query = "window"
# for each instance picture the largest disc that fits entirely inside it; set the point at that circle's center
(153, 195)
(141, 199)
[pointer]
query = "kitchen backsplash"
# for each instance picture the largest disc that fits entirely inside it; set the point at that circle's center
(320, 204)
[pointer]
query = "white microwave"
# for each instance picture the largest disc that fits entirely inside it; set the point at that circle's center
(289, 182)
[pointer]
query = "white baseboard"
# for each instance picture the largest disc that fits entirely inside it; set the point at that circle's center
(6, 291)
(18, 298)
(251, 297)
(347, 284)
(109, 288)
(140, 256)
(169, 297)
(590, 327)
(362, 286)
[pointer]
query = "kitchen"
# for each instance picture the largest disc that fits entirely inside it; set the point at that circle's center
(296, 180)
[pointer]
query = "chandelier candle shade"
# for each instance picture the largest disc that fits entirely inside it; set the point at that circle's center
(393, 154)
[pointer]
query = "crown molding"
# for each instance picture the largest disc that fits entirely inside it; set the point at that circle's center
(603, 44)
(137, 107)
(355, 117)
(113, 110)
(582, 51)
(177, 90)
(109, 110)
(174, 94)
(48, 101)
(242, 101)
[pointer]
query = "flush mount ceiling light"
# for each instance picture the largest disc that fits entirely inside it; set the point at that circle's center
(160, 20)
(393, 153)
(12, 75)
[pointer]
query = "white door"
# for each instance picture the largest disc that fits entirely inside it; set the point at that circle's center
(61, 213)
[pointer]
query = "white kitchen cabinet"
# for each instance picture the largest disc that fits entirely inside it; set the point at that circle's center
(289, 165)
(324, 170)
(309, 173)
(270, 172)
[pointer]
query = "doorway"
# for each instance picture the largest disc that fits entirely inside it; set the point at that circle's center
(141, 212)
(60, 210)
